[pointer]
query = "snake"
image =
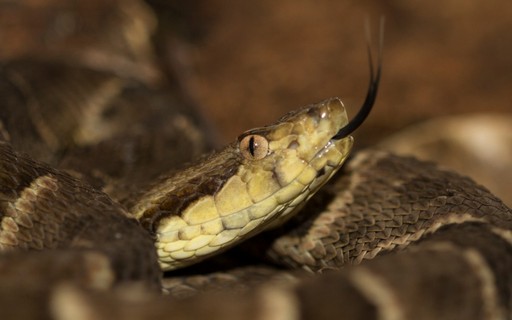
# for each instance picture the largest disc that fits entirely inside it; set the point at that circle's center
(89, 224)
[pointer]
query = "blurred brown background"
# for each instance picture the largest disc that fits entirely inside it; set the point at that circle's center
(249, 62)
(245, 63)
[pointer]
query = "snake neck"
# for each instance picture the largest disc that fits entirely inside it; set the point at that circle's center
(173, 193)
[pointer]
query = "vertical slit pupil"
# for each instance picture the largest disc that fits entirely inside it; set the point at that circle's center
(251, 145)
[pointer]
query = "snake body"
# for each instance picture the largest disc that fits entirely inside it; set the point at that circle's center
(397, 238)
(439, 254)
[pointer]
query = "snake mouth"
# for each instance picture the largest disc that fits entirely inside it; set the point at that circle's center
(324, 164)
(329, 160)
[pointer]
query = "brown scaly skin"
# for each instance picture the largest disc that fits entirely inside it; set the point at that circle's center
(359, 216)
(42, 208)
(462, 270)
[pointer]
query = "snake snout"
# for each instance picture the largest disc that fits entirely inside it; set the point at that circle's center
(332, 110)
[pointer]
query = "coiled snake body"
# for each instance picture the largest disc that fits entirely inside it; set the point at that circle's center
(403, 238)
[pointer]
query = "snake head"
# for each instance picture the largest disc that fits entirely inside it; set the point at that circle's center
(286, 163)
(255, 183)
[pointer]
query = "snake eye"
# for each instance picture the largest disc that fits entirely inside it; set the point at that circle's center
(254, 147)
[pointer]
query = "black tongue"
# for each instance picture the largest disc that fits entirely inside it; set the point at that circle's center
(371, 94)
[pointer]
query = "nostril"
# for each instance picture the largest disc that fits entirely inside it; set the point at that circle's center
(315, 114)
